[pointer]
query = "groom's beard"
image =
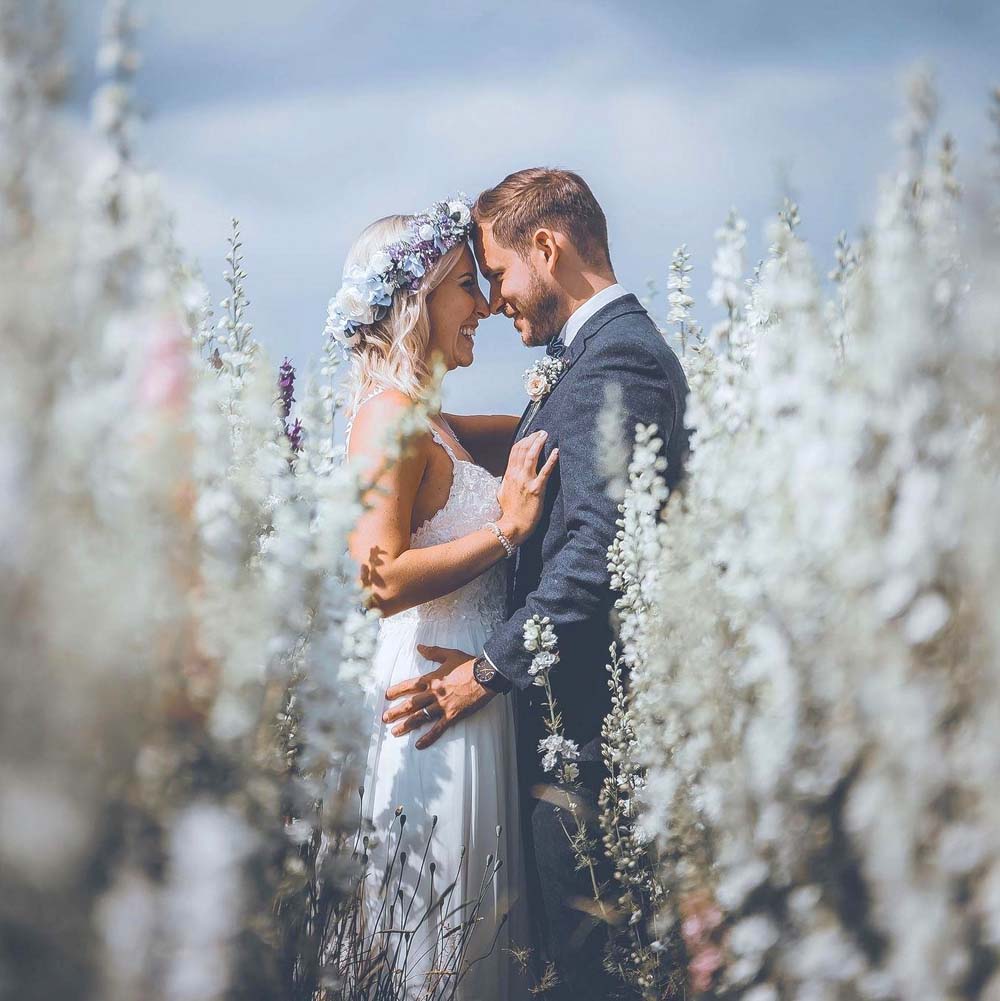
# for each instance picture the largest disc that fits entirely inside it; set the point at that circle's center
(542, 313)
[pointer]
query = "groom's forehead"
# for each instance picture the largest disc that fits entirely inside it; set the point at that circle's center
(488, 252)
(484, 248)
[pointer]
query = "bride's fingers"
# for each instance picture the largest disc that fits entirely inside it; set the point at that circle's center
(410, 705)
(533, 451)
(546, 471)
(520, 454)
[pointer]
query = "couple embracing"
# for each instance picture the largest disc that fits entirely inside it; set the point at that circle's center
(484, 523)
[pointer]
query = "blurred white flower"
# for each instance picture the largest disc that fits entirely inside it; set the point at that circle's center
(203, 892)
(43, 830)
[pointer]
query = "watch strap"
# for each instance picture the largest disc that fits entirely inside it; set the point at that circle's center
(489, 677)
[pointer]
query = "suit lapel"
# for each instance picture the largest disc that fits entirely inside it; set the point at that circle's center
(532, 411)
(617, 307)
(529, 412)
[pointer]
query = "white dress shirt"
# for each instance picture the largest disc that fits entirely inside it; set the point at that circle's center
(586, 310)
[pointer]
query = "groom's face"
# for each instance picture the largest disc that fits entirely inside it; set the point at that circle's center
(519, 289)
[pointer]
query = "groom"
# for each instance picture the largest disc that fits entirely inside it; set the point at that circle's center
(542, 244)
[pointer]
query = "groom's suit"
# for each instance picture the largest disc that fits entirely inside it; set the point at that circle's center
(561, 572)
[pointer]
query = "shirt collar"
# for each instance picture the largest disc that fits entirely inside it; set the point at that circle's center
(586, 310)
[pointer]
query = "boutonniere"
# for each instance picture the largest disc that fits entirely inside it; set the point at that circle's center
(541, 377)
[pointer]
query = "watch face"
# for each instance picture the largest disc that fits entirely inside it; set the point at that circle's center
(483, 671)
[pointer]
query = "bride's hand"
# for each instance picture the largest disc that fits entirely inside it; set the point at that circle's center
(522, 493)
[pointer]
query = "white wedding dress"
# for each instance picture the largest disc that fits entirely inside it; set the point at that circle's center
(467, 780)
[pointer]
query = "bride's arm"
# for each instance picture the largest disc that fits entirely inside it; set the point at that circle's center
(399, 577)
(487, 438)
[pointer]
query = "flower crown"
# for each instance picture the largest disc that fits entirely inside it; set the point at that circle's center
(367, 292)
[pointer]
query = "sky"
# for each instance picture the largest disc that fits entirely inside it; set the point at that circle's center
(308, 119)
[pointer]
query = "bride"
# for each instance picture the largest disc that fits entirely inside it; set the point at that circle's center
(437, 528)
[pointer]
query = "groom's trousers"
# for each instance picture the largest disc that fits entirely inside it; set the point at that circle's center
(568, 924)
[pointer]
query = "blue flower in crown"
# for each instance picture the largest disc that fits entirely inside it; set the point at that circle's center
(413, 266)
(378, 291)
(366, 294)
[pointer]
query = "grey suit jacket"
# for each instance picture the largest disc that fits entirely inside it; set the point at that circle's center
(561, 570)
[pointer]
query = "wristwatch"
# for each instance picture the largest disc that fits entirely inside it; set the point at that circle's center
(488, 676)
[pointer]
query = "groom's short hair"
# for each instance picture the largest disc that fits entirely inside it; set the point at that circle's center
(539, 197)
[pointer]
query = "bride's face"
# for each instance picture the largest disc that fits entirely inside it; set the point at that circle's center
(454, 310)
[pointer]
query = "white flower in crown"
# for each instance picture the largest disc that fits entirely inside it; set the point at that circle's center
(541, 377)
(353, 304)
(380, 263)
(461, 211)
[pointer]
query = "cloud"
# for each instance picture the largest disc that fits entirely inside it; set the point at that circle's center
(197, 51)
(307, 172)
(309, 119)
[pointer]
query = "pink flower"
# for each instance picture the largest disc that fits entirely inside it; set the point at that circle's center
(693, 928)
(701, 917)
(536, 385)
(712, 917)
(703, 966)
(163, 382)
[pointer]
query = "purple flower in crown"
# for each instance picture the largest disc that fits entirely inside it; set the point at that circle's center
(366, 293)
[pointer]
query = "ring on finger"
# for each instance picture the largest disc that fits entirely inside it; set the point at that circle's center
(427, 712)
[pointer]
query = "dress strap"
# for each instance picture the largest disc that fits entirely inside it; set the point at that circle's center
(435, 434)
(443, 442)
(354, 415)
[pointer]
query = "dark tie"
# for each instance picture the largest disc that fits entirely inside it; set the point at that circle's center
(556, 347)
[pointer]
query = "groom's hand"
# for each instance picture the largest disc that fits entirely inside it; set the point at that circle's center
(447, 693)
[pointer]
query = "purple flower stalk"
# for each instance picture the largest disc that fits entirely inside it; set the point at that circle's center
(286, 389)
(295, 435)
(286, 385)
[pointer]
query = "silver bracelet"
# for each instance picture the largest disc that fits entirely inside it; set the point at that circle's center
(504, 541)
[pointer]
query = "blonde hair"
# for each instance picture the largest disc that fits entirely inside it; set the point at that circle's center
(392, 352)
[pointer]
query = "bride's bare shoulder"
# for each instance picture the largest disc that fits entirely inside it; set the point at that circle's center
(375, 421)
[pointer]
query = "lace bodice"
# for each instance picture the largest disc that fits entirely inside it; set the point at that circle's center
(472, 502)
